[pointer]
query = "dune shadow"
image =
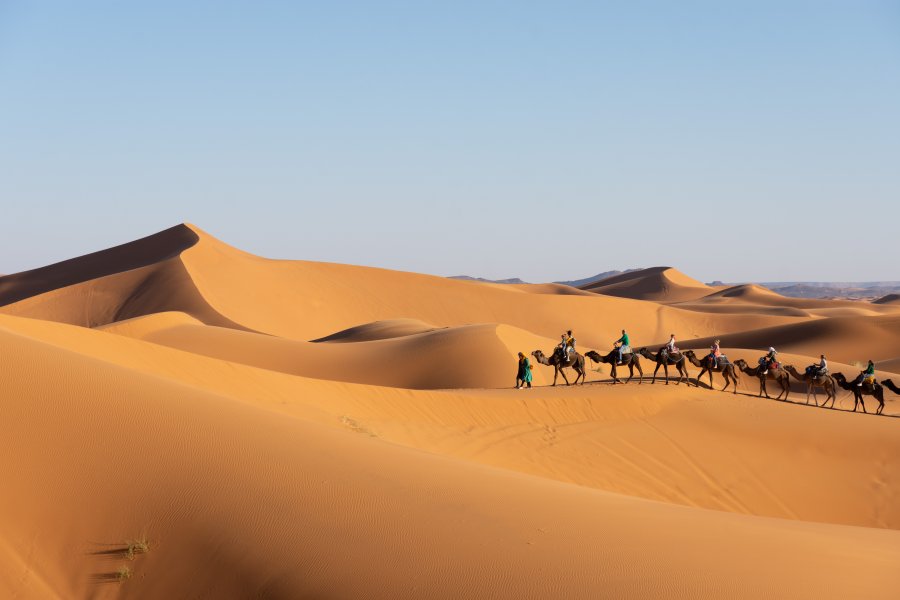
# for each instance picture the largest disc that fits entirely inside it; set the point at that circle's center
(117, 553)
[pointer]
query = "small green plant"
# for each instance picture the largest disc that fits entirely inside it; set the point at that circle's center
(135, 547)
(123, 573)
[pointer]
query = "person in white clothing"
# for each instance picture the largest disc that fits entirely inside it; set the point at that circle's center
(670, 346)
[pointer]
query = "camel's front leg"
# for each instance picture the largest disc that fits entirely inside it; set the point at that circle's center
(563, 373)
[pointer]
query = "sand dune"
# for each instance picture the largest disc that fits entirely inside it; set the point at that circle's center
(753, 294)
(302, 512)
(846, 339)
(472, 356)
(287, 429)
(151, 250)
(379, 330)
(889, 299)
(657, 283)
(220, 285)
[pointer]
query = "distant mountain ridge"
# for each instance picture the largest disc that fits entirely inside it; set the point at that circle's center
(577, 283)
(512, 280)
(833, 289)
(869, 290)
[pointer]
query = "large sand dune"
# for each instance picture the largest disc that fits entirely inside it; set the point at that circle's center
(287, 429)
(663, 284)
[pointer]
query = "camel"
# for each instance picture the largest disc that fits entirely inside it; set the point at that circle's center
(825, 382)
(779, 375)
(631, 360)
(861, 390)
(727, 370)
(890, 385)
(664, 360)
(576, 361)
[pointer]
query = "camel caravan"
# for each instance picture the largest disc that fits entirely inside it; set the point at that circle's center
(767, 369)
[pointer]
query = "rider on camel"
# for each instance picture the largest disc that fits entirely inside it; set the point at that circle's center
(867, 376)
(623, 345)
(670, 346)
(819, 369)
(714, 353)
(566, 346)
(770, 360)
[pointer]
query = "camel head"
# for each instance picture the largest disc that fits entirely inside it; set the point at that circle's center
(594, 356)
(740, 363)
(689, 353)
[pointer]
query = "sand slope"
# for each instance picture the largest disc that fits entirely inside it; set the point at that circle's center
(289, 429)
(472, 356)
(302, 512)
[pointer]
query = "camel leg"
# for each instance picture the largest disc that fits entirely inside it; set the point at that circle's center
(613, 371)
(563, 373)
(641, 372)
(630, 372)
(700, 376)
(666, 371)
(655, 371)
(555, 374)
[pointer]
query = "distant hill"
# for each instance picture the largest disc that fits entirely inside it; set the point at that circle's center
(834, 289)
(483, 280)
(577, 283)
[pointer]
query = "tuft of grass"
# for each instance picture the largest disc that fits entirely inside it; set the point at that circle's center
(135, 547)
(123, 574)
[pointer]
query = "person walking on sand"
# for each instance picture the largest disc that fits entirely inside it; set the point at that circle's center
(523, 376)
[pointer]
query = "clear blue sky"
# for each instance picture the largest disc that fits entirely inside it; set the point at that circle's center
(545, 140)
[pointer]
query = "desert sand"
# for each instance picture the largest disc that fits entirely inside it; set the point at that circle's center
(182, 419)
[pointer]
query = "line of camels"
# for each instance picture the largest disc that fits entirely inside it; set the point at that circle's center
(730, 372)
